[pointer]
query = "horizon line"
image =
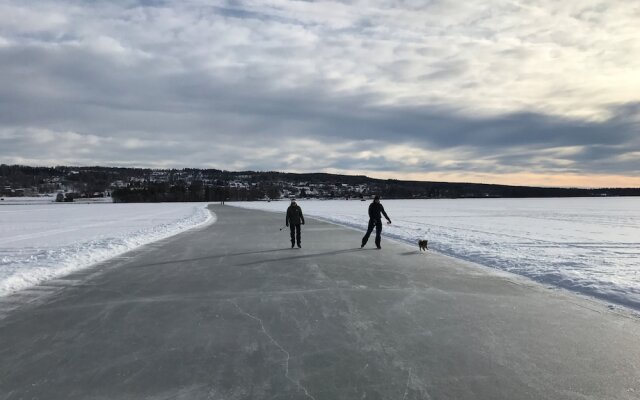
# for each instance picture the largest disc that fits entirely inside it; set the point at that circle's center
(325, 173)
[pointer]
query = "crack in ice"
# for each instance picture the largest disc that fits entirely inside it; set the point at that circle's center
(406, 387)
(275, 342)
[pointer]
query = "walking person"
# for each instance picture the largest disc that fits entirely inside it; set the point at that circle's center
(294, 220)
(375, 219)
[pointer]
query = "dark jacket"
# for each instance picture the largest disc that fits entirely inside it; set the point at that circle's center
(294, 215)
(375, 209)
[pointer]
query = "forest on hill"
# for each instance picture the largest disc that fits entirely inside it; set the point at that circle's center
(192, 184)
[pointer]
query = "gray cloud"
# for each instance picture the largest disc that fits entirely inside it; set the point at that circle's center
(303, 87)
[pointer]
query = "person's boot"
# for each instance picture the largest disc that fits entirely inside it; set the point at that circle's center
(292, 244)
(299, 246)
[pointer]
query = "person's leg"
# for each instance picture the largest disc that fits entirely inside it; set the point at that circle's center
(292, 227)
(298, 234)
(369, 230)
(378, 232)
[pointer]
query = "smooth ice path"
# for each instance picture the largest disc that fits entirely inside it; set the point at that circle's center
(587, 245)
(229, 311)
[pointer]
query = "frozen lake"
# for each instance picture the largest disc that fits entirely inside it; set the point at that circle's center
(41, 240)
(588, 245)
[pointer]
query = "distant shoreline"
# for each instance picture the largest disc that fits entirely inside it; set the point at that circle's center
(192, 184)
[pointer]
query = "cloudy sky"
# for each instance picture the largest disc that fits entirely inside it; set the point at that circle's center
(537, 92)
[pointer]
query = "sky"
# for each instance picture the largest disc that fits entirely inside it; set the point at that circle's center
(537, 92)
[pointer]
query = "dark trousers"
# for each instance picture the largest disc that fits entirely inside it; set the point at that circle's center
(378, 224)
(295, 233)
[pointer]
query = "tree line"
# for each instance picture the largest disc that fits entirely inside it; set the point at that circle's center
(196, 191)
(192, 184)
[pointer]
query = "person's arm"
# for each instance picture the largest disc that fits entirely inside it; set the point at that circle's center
(301, 216)
(385, 214)
(286, 221)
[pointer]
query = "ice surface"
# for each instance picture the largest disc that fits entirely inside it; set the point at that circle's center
(42, 240)
(589, 245)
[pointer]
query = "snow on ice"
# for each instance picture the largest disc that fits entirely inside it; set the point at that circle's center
(588, 245)
(41, 240)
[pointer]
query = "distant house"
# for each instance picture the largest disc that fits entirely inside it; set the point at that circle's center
(118, 184)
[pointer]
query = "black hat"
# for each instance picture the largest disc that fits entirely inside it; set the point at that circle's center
(376, 197)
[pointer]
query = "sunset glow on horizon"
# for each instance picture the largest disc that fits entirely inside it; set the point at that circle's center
(544, 94)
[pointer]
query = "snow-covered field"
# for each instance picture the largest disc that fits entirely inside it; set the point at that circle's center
(588, 245)
(40, 240)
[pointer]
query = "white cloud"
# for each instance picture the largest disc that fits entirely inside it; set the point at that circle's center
(186, 79)
(18, 18)
(567, 58)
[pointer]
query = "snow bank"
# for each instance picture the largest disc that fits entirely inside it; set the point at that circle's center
(43, 241)
(588, 245)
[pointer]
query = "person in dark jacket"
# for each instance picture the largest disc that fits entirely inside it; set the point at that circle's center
(375, 219)
(294, 220)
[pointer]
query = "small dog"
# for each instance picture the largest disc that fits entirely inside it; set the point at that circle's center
(422, 244)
